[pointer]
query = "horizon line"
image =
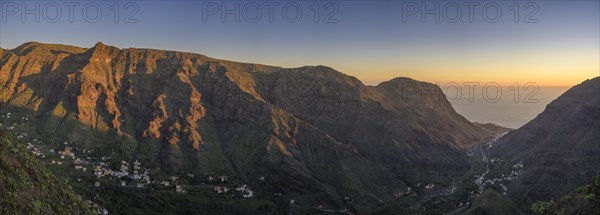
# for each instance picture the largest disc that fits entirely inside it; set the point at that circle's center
(366, 82)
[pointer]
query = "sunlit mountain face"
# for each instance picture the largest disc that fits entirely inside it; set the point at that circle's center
(299, 107)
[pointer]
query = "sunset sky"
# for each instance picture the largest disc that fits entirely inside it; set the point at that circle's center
(369, 40)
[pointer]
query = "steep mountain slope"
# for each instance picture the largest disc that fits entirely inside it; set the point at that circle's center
(491, 202)
(559, 149)
(314, 133)
(585, 200)
(27, 187)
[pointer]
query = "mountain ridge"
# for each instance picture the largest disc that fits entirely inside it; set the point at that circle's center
(319, 135)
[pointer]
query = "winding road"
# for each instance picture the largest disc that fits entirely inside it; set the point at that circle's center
(452, 188)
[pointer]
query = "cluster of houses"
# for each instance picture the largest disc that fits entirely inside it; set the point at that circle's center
(464, 204)
(35, 150)
(12, 127)
(67, 153)
(397, 194)
(7, 115)
(221, 189)
(174, 180)
(21, 135)
(125, 174)
(430, 186)
(179, 189)
(101, 170)
(222, 179)
(6, 128)
(480, 182)
(516, 170)
(244, 189)
(470, 154)
(495, 160)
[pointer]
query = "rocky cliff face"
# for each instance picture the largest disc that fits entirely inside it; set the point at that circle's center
(559, 149)
(313, 132)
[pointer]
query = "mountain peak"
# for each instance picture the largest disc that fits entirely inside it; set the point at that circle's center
(101, 49)
(402, 80)
(101, 45)
(41, 49)
(405, 83)
(31, 43)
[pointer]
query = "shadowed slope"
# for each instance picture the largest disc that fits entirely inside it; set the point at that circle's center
(559, 148)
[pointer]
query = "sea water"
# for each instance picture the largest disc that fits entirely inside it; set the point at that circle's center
(511, 109)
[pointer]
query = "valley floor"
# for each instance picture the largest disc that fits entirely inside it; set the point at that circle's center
(116, 184)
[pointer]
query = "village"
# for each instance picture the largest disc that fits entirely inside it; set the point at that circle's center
(502, 178)
(97, 172)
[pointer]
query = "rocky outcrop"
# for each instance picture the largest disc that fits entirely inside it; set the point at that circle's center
(313, 132)
(559, 148)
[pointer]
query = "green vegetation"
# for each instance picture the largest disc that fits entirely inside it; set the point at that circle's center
(398, 206)
(463, 194)
(491, 202)
(585, 200)
(27, 187)
(159, 200)
(218, 162)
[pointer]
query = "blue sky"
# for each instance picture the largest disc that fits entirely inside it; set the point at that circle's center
(366, 39)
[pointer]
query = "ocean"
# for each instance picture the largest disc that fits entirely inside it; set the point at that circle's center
(510, 109)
